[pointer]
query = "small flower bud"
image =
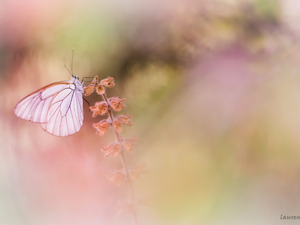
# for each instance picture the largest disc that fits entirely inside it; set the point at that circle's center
(89, 89)
(95, 80)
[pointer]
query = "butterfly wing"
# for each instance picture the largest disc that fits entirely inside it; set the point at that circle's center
(58, 107)
(65, 115)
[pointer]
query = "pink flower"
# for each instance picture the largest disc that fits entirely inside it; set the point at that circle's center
(130, 206)
(108, 82)
(117, 177)
(102, 126)
(112, 149)
(116, 103)
(136, 171)
(99, 108)
(117, 125)
(89, 89)
(125, 119)
(129, 144)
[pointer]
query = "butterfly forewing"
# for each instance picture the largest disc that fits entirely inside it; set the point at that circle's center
(34, 107)
(57, 107)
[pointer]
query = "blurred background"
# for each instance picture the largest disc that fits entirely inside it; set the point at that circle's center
(214, 91)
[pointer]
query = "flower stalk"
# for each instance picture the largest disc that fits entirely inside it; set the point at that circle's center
(120, 145)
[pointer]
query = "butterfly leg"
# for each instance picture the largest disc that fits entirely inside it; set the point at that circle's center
(86, 101)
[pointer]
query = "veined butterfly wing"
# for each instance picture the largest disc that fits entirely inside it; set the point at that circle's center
(58, 107)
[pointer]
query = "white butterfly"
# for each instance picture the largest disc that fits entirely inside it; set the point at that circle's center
(58, 107)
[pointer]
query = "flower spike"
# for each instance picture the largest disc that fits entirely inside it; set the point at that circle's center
(118, 147)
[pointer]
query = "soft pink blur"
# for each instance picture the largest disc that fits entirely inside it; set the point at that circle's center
(213, 90)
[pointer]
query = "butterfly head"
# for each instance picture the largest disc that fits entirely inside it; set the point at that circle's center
(76, 77)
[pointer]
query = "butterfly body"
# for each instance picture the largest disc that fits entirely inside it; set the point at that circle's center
(58, 107)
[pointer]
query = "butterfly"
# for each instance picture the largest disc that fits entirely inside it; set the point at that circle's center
(58, 107)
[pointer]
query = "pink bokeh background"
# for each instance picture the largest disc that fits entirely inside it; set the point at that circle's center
(213, 88)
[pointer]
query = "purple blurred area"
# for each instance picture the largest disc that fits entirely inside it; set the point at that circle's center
(213, 88)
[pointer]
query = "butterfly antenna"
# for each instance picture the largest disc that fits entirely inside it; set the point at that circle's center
(72, 60)
(68, 70)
